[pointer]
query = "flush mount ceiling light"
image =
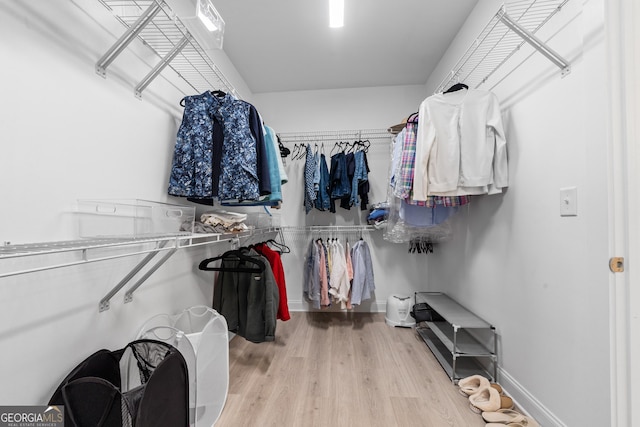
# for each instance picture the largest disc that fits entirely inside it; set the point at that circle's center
(336, 13)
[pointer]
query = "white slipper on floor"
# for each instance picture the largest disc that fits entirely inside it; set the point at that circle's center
(485, 400)
(504, 425)
(470, 385)
(508, 416)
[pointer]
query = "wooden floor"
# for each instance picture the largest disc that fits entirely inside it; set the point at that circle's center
(340, 369)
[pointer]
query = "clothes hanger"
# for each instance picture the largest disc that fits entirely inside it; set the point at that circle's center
(218, 93)
(302, 151)
(336, 145)
(456, 87)
(260, 267)
(284, 151)
(284, 248)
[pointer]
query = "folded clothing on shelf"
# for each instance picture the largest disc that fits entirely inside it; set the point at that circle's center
(378, 215)
(220, 222)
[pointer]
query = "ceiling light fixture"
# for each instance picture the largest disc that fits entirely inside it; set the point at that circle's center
(336, 13)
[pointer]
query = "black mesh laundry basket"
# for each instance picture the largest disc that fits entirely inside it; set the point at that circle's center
(145, 384)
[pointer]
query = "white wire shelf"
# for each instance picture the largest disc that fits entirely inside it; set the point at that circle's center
(167, 36)
(93, 250)
(508, 30)
(328, 228)
(374, 135)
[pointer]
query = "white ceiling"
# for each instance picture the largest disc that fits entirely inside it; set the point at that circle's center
(287, 45)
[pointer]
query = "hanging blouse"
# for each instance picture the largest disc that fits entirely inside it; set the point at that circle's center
(339, 275)
(311, 286)
(278, 273)
(461, 146)
(322, 202)
(309, 172)
(363, 284)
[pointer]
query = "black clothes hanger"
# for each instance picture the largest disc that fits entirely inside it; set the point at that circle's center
(236, 254)
(456, 87)
(337, 145)
(284, 151)
(218, 93)
(280, 246)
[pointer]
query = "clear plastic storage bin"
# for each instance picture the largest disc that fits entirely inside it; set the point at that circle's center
(133, 218)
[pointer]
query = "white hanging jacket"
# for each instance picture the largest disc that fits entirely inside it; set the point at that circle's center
(460, 144)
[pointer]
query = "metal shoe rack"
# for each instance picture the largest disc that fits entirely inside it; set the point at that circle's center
(513, 26)
(158, 27)
(459, 340)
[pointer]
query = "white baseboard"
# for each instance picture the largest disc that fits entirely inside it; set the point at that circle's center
(526, 402)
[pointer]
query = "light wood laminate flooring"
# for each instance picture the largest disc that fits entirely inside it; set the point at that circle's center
(330, 369)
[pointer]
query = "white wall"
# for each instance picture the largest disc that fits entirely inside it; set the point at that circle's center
(68, 134)
(333, 110)
(540, 278)
(339, 109)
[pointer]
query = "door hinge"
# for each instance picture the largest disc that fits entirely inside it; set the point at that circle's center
(616, 264)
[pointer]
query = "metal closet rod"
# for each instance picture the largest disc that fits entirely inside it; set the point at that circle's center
(340, 228)
(323, 136)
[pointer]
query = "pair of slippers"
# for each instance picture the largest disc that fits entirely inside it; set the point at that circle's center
(508, 417)
(483, 395)
(486, 398)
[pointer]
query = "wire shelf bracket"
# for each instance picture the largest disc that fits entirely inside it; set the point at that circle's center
(162, 31)
(507, 31)
(161, 65)
(132, 32)
(536, 43)
(130, 246)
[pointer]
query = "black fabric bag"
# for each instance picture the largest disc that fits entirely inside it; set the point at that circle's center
(422, 312)
(145, 384)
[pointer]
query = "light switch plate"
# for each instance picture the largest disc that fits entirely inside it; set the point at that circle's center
(569, 201)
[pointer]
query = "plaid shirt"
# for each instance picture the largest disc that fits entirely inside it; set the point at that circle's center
(404, 181)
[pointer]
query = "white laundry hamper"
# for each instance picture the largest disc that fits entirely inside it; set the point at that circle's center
(399, 311)
(200, 334)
